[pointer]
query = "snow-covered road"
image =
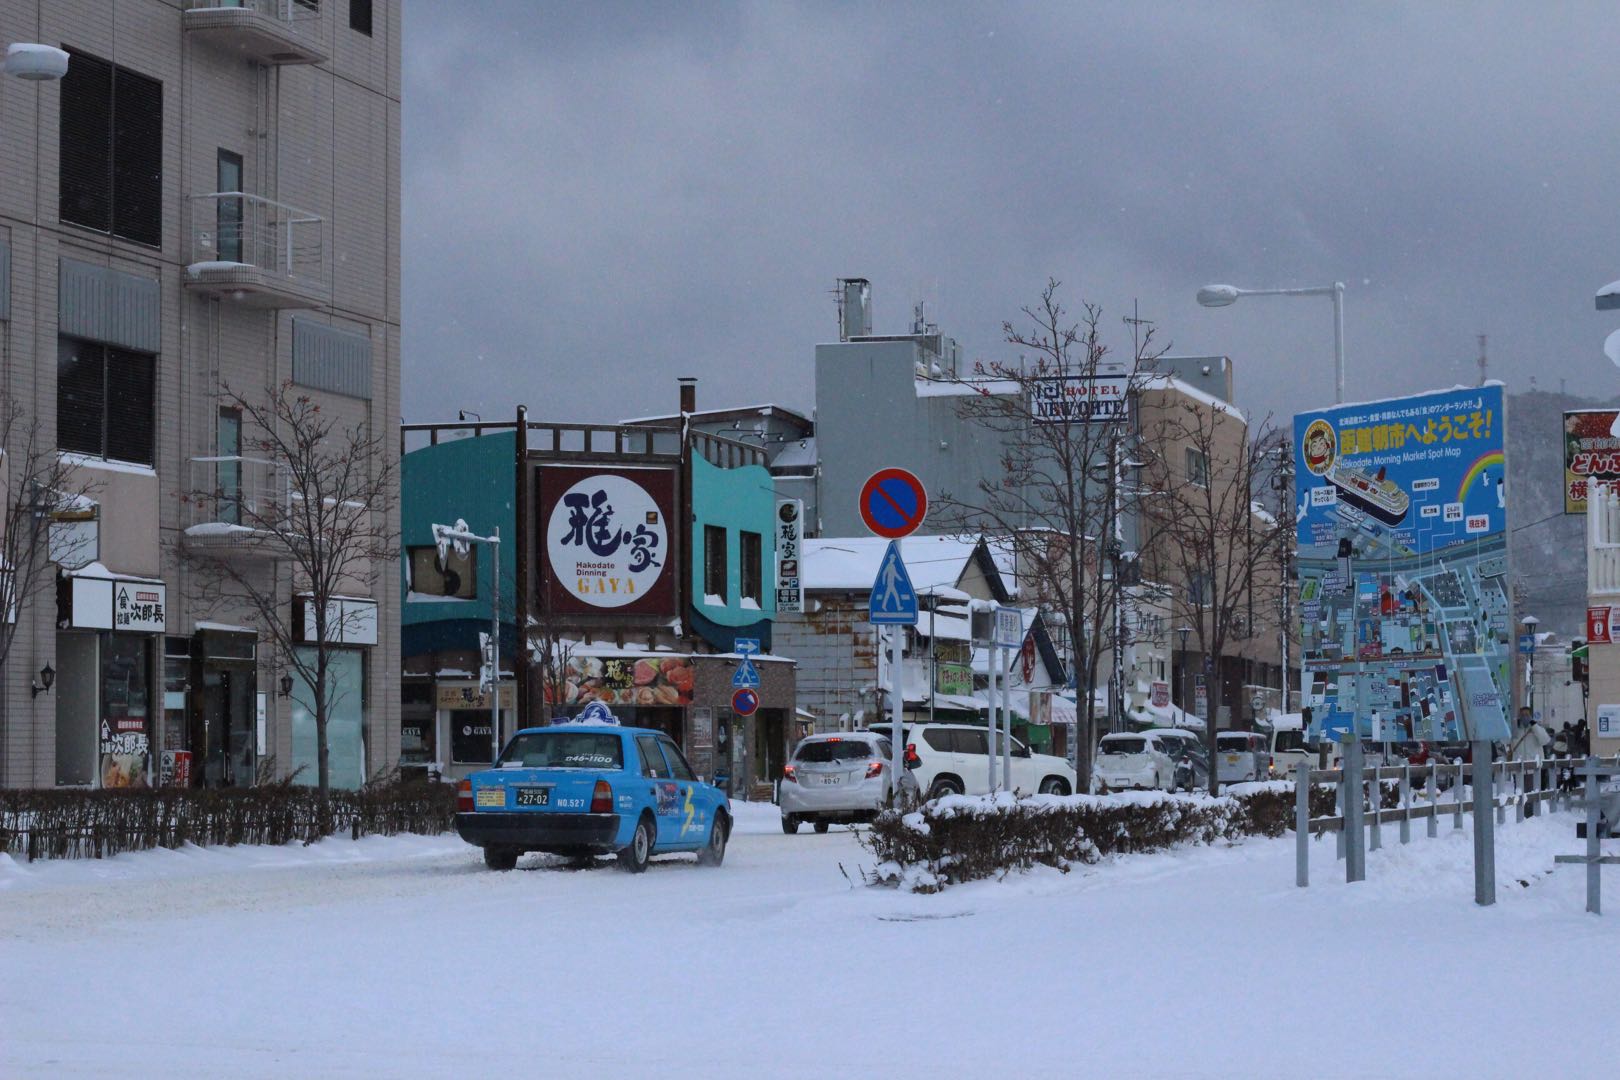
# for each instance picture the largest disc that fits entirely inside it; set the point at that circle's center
(405, 957)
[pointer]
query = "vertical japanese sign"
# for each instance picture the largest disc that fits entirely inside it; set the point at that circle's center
(1591, 455)
(789, 541)
(1402, 540)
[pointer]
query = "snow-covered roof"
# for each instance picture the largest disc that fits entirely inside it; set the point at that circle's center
(1171, 383)
(850, 563)
(963, 387)
(1611, 289)
(797, 454)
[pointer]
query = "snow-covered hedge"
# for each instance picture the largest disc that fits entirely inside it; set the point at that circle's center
(963, 838)
(50, 824)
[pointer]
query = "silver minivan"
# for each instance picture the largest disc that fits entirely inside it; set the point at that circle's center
(1241, 756)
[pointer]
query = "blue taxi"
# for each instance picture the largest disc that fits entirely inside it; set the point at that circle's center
(592, 787)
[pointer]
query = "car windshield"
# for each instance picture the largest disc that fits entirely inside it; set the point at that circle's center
(825, 750)
(565, 750)
(1232, 742)
(1124, 746)
(1290, 740)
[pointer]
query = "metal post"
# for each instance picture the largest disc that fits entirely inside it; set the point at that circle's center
(1456, 798)
(1521, 785)
(1302, 824)
(1355, 839)
(991, 718)
(1594, 880)
(1501, 807)
(1006, 714)
(1406, 804)
(1338, 342)
(1434, 800)
(1338, 805)
(1484, 827)
(1376, 800)
(495, 642)
(897, 706)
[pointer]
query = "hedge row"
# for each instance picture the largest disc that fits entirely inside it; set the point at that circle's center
(965, 838)
(48, 824)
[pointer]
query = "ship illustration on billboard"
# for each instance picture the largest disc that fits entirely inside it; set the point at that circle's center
(1376, 494)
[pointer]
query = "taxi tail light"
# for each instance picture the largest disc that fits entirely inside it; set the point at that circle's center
(464, 797)
(874, 769)
(602, 798)
(790, 774)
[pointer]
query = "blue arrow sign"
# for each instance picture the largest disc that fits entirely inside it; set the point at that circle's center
(893, 601)
(746, 675)
(746, 646)
(1527, 643)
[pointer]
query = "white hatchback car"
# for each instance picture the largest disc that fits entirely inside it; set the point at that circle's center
(1140, 760)
(839, 778)
(951, 761)
(1241, 756)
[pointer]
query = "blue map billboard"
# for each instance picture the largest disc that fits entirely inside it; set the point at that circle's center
(1405, 619)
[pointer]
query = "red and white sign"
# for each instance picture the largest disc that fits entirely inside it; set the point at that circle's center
(893, 503)
(1597, 626)
(1161, 694)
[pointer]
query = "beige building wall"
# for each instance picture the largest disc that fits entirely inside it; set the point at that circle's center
(323, 137)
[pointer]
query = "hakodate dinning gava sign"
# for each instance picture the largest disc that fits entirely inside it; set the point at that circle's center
(1405, 619)
(606, 537)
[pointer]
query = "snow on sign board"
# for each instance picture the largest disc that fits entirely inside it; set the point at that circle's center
(893, 503)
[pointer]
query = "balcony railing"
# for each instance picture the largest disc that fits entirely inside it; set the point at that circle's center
(233, 507)
(1602, 541)
(257, 250)
(265, 31)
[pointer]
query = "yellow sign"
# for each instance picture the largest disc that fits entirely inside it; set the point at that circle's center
(491, 796)
(466, 695)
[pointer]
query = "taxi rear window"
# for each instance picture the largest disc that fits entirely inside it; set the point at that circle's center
(565, 750)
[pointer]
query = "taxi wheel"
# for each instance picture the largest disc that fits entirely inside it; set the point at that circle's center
(790, 823)
(823, 826)
(500, 858)
(714, 852)
(634, 858)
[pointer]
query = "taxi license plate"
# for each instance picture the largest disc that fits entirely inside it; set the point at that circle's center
(534, 796)
(491, 796)
(832, 779)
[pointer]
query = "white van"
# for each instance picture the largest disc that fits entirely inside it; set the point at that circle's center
(1241, 756)
(1140, 760)
(1289, 748)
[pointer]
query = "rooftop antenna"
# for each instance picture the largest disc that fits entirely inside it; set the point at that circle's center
(1484, 364)
(919, 320)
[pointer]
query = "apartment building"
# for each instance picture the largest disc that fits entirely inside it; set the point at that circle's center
(206, 201)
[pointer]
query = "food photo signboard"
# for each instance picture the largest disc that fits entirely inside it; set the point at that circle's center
(606, 537)
(626, 680)
(1405, 619)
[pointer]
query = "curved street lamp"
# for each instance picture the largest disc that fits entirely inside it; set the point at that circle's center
(1225, 295)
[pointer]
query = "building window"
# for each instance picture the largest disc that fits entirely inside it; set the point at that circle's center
(456, 579)
(1198, 589)
(111, 150)
(228, 212)
(714, 564)
(753, 568)
(104, 401)
(360, 16)
(1197, 468)
(228, 469)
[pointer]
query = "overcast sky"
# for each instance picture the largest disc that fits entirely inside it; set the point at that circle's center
(600, 197)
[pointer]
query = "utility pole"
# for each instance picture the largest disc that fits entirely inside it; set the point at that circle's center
(1483, 363)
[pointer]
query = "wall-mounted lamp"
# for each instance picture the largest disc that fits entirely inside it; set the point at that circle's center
(47, 677)
(286, 684)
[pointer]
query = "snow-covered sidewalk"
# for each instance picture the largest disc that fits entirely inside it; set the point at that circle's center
(404, 957)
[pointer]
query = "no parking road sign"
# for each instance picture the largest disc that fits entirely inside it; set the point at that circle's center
(893, 503)
(745, 702)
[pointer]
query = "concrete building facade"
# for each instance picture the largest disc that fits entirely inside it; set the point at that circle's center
(208, 201)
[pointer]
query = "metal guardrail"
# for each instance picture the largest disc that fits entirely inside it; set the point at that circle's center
(259, 232)
(295, 13)
(1594, 859)
(1533, 783)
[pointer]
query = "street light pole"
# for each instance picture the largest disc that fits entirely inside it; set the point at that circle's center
(1224, 295)
(1183, 631)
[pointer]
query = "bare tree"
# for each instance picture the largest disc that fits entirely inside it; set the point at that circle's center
(1061, 415)
(326, 514)
(42, 490)
(1208, 533)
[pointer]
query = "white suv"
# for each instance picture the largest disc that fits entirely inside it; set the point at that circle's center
(951, 761)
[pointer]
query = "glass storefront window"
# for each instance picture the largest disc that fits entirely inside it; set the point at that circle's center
(416, 722)
(126, 710)
(470, 737)
(345, 720)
